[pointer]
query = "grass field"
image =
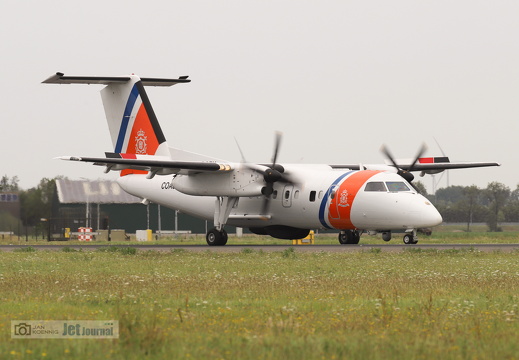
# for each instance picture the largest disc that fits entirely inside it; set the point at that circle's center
(413, 304)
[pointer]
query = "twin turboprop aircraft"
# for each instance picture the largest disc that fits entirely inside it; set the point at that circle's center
(284, 201)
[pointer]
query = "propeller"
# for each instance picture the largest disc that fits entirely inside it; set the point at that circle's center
(406, 174)
(272, 174)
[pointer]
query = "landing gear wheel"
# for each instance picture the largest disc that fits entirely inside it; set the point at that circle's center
(216, 238)
(224, 238)
(409, 239)
(386, 236)
(349, 237)
(343, 238)
(355, 237)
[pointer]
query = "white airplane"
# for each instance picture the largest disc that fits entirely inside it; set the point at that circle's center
(284, 201)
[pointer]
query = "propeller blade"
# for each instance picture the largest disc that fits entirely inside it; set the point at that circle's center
(271, 175)
(277, 144)
(406, 174)
(386, 152)
(422, 150)
(241, 152)
(268, 189)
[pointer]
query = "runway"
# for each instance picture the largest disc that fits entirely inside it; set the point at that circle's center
(273, 248)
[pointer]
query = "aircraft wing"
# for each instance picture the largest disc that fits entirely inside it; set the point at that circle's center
(153, 164)
(426, 167)
(447, 166)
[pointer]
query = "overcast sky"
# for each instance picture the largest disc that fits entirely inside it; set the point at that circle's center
(338, 78)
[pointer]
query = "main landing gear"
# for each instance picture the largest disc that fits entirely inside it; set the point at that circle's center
(349, 237)
(217, 236)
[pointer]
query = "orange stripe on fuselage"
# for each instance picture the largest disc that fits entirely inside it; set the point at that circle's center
(339, 210)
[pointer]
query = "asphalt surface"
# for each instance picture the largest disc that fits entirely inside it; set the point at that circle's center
(302, 248)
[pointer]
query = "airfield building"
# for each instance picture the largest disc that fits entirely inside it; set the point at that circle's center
(102, 205)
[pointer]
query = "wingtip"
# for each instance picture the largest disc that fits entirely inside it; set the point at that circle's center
(53, 79)
(68, 158)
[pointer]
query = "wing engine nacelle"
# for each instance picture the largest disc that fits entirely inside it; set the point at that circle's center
(431, 172)
(237, 183)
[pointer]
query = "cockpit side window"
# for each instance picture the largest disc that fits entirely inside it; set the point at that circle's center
(397, 186)
(375, 186)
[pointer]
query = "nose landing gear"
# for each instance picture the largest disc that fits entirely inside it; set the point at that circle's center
(410, 239)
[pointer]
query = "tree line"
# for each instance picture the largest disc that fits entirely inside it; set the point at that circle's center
(492, 205)
(35, 203)
(467, 204)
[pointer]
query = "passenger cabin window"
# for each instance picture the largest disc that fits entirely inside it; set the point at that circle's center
(375, 186)
(397, 186)
(312, 196)
(275, 194)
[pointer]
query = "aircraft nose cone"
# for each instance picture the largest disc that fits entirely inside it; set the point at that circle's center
(421, 213)
(431, 215)
(437, 218)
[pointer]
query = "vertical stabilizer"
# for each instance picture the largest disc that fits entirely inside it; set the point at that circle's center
(134, 128)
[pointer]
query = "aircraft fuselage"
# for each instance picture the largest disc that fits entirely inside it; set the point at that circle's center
(321, 198)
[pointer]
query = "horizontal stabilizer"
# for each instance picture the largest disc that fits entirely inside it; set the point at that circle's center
(60, 78)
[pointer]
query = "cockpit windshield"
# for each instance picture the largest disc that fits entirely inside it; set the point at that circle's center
(375, 186)
(392, 186)
(397, 186)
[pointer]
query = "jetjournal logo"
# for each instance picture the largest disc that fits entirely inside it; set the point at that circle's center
(65, 329)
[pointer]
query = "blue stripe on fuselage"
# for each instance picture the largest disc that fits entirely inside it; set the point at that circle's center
(322, 208)
(134, 94)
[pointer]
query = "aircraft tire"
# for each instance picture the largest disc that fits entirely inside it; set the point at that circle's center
(216, 238)
(355, 237)
(224, 237)
(349, 237)
(344, 239)
(409, 239)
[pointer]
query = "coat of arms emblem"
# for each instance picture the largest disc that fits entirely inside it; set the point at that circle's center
(343, 199)
(140, 142)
